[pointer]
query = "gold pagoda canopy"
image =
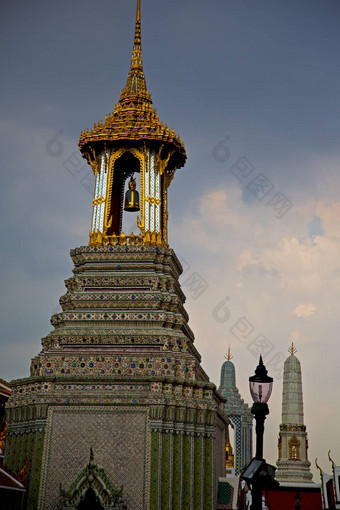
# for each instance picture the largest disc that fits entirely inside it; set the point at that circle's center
(134, 119)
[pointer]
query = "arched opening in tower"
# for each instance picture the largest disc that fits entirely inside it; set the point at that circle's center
(90, 502)
(124, 167)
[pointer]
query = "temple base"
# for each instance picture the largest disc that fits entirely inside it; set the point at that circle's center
(120, 374)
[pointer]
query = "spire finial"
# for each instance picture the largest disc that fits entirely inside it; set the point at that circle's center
(229, 356)
(292, 349)
(136, 61)
(135, 83)
(138, 11)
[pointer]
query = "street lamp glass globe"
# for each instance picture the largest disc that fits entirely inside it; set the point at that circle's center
(260, 384)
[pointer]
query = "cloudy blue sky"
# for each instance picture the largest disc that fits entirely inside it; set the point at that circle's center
(252, 86)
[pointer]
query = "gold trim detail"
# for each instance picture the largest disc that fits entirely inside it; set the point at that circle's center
(293, 428)
(153, 200)
(149, 238)
(97, 201)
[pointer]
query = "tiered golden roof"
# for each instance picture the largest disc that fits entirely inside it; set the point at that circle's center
(134, 118)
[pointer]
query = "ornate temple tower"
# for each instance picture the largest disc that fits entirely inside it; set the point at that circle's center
(292, 465)
(117, 411)
(132, 140)
(239, 414)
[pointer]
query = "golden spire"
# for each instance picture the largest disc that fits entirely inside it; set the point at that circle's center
(229, 356)
(136, 61)
(135, 83)
(292, 349)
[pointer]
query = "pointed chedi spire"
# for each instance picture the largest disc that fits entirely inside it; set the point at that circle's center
(293, 465)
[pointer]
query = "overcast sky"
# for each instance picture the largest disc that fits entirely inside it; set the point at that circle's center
(252, 86)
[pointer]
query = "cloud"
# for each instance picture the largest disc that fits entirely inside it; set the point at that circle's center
(299, 266)
(274, 272)
(304, 310)
(329, 212)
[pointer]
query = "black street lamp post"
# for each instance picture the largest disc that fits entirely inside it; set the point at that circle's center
(261, 386)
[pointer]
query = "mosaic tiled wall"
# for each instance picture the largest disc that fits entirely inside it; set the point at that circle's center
(119, 438)
(238, 443)
(198, 473)
(219, 449)
(208, 473)
(182, 471)
(27, 444)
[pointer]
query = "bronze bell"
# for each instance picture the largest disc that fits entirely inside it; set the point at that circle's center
(132, 197)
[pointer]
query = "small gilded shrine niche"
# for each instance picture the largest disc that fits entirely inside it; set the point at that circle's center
(294, 448)
(229, 455)
(132, 141)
